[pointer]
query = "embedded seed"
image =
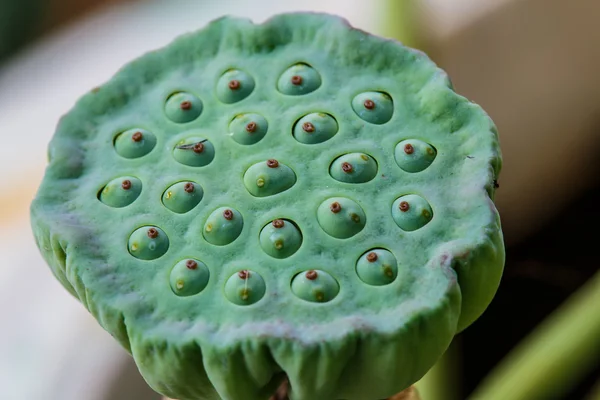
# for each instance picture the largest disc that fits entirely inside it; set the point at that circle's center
(189, 187)
(152, 233)
(312, 275)
(136, 137)
(278, 223)
(296, 80)
(372, 257)
(335, 207)
(228, 214)
(308, 127)
(191, 264)
(404, 206)
(347, 167)
(251, 127)
(186, 105)
(272, 163)
(126, 185)
(234, 84)
(409, 149)
(369, 104)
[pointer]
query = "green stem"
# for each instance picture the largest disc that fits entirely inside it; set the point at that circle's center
(553, 357)
(401, 21)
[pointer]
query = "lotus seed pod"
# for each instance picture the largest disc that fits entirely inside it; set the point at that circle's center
(121, 192)
(411, 212)
(234, 85)
(223, 226)
(315, 286)
(373, 107)
(341, 217)
(135, 143)
(299, 79)
(148, 243)
(248, 128)
(353, 168)
(183, 107)
(189, 277)
(245, 287)
(377, 267)
(269, 177)
(181, 197)
(414, 155)
(315, 128)
(280, 238)
(324, 317)
(194, 152)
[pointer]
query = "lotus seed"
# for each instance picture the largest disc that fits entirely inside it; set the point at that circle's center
(377, 267)
(341, 217)
(280, 238)
(194, 151)
(299, 79)
(315, 286)
(268, 178)
(374, 107)
(234, 85)
(413, 155)
(189, 277)
(248, 128)
(353, 168)
(315, 128)
(411, 212)
(245, 287)
(134, 143)
(183, 107)
(223, 226)
(181, 197)
(120, 192)
(148, 243)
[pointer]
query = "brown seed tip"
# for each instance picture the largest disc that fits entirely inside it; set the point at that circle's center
(278, 223)
(198, 148)
(335, 207)
(189, 187)
(228, 214)
(234, 84)
(369, 104)
(152, 233)
(191, 264)
(372, 257)
(251, 127)
(308, 127)
(347, 167)
(496, 184)
(296, 80)
(244, 274)
(136, 137)
(186, 105)
(126, 184)
(272, 163)
(404, 206)
(408, 148)
(311, 275)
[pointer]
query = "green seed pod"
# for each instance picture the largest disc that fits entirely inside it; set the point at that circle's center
(234, 85)
(194, 152)
(135, 143)
(377, 267)
(181, 197)
(315, 128)
(269, 177)
(341, 217)
(182, 107)
(280, 238)
(299, 79)
(413, 155)
(411, 212)
(121, 192)
(148, 243)
(245, 287)
(248, 128)
(205, 346)
(374, 107)
(189, 277)
(223, 226)
(353, 168)
(315, 285)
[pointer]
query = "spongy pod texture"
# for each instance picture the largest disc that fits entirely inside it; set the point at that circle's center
(296, 199)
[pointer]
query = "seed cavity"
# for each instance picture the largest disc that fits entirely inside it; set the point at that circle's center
(183, 107)
(194, 151)
(120, 192)
(223, 226)
(280, 238)
(353, 168)
(268, 178)
(411, 212)
(244, 288)
(373, 107)
(413, 155)
(315, 285)
(315, 128)
(134, 143)
(234, 85)
(299, 79)
(148, 243)
(341, 217)
(189, 277)
(377, 267)
(248, 128)
(182, 197)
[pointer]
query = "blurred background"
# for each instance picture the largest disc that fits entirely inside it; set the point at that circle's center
(532, 64)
